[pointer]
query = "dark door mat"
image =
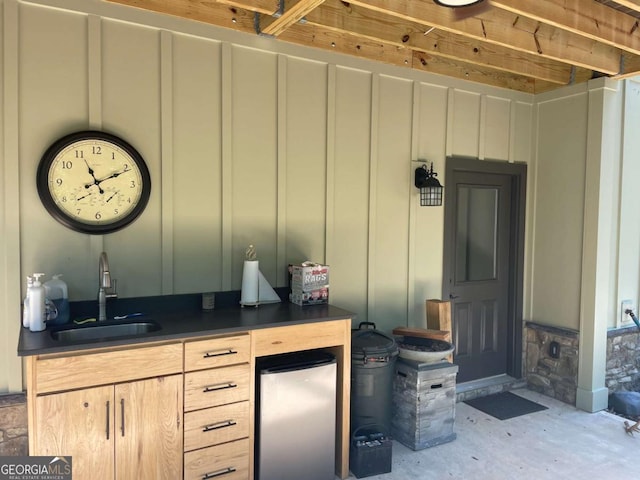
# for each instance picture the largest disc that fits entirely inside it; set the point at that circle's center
(505, 405)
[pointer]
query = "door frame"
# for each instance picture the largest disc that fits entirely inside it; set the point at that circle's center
(518, 174)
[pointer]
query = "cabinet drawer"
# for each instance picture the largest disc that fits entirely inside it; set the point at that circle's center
(229, 461)
(217, 386)
(58, 373)
(293, 338)
(211, 426)
(216, 352)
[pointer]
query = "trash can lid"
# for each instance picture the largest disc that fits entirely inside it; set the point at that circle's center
(371, 342)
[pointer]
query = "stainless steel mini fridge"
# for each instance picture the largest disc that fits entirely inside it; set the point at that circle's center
(296, 417)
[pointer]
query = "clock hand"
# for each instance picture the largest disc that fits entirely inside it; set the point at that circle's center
(113, 175)
(90, 169)
(113, 195)
(84, 196)
(95, 180)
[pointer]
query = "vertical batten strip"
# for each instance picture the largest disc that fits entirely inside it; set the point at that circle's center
(10, 279)
(166, 160)
(513, 124)
(94, 75)
(329, 243)
(411, 271)
(450, 109)
(226, 93)
(373, 189)
(482, 129)
(281, 207)
(94, 90)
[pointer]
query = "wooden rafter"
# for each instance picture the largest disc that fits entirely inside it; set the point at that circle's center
(335, 15)
(531, 46)
(293, 11)
(507, 29)
(590, 19)
(630, 4)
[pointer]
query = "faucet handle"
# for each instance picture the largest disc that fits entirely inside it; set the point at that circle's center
(112, 292)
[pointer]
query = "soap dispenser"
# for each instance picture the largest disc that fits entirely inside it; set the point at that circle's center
(56, 291)
(25, 303)
(37, 305)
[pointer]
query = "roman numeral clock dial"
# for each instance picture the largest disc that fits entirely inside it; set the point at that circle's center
(93, 182)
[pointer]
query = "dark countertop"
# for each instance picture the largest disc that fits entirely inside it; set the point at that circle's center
(176, 325)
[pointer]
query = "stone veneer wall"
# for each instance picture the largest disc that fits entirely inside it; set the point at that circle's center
(555, 377)
(13, 425)
(623, 360)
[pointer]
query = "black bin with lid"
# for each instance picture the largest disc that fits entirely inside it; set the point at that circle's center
(373, 358)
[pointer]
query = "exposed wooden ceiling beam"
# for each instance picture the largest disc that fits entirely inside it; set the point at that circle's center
(335, 15)
(211, 12)
(507, 29)
(590, 19)
(320, 37)
(630, 4)
(267, 7)
(294, 10)
(503, 47)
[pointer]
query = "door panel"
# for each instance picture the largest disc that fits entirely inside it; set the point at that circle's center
(477, 271)
(78, 424)
(149, 440)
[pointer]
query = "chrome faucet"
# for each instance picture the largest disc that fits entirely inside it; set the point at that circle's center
(106, 286)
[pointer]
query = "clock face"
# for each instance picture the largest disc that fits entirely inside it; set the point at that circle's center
(93, 182)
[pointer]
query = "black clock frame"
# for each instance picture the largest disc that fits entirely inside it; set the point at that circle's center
(42, 181)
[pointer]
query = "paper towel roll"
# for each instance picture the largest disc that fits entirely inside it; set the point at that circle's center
(250, 282)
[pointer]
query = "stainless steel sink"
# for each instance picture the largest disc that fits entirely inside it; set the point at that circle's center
(104, 331)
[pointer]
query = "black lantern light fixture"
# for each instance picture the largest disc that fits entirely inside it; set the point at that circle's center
(457, 3)
(430, 188)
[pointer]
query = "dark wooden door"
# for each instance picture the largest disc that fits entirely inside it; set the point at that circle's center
(477, 271)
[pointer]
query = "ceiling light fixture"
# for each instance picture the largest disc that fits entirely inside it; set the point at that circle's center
(457, 3)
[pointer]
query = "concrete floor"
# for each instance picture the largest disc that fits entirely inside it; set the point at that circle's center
(559, 443)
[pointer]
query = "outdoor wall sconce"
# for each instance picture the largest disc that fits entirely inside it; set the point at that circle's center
(430, 188)
(457, 3)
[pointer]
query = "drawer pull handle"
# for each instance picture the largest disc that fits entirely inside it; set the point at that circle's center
(108, 422)
(219, 425)
(218, 473)
(222, 386)
(219, 353)
(122, 416)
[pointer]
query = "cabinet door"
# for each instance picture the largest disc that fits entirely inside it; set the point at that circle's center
(78, 424)
(148, 428)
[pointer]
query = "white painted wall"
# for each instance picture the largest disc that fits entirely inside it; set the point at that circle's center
(306, 154)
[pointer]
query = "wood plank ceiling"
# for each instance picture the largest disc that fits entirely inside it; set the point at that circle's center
(526, 45)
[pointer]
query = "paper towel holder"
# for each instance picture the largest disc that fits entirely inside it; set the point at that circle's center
(256, 290)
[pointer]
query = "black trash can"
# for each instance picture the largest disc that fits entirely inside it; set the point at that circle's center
(373, 358)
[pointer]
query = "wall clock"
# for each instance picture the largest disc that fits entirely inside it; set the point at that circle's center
(93, 182)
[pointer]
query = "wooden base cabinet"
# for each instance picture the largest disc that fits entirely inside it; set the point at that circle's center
(131, 430)
(170, 410)
(118, 413)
